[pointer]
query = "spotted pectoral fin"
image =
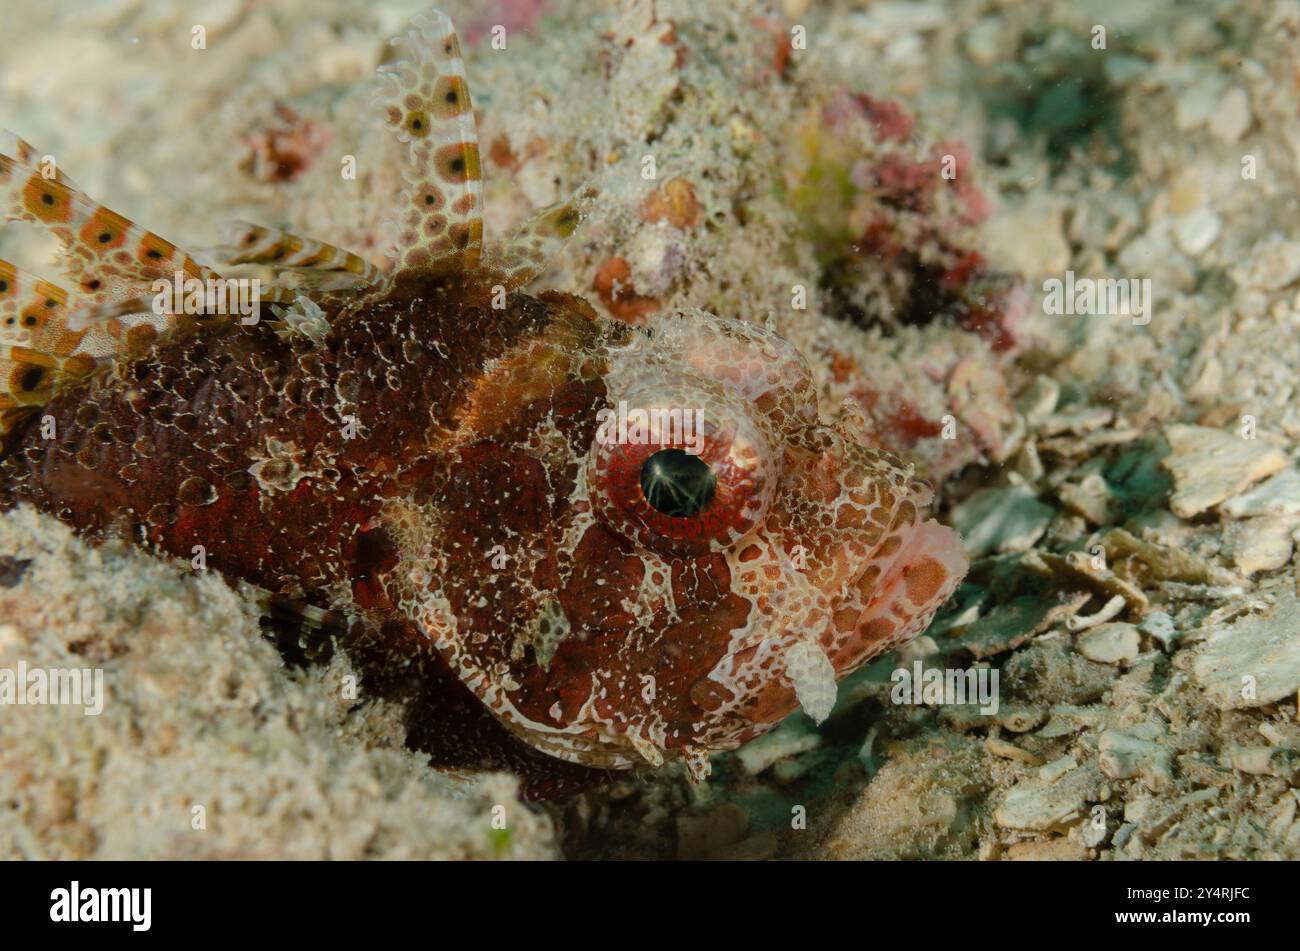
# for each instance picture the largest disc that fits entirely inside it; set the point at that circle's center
(40, 349)
(29, 379)
(302, 260)
(32, 157)
(124, 329)
(44, 318)
(117, 266)
(34, 313)
(438, 220)
(109, 258)
(537, 242)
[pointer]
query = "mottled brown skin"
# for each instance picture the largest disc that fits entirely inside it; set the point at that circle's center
(160, 449)
(162, 445)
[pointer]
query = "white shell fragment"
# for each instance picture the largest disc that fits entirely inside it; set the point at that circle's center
(1253, 661)
(1211, 465)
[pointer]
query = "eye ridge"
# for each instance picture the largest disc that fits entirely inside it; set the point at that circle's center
(677, 484)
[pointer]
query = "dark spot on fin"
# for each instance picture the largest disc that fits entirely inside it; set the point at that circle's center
(31, 378)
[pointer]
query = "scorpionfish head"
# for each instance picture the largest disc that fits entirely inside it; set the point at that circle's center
(644, 544)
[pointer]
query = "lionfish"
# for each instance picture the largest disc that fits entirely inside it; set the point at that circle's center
(416, 452)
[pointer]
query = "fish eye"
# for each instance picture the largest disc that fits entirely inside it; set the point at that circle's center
(680, 470)
(677, 484)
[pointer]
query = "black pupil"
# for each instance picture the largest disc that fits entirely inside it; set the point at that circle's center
(676, 483)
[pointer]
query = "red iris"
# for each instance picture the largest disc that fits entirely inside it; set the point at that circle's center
(669, 500)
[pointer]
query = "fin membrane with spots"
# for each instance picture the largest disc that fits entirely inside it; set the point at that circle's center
(114, 262)
(439, 215)
(43, 317)
(37, 352)
(110, 258)
(315, 264)
(29, 378)
(51, 336)
(538, 240)
(29, 155)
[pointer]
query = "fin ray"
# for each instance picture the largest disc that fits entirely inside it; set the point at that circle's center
(439, 215)
(42, 317)
(537, 241)
(31, 156)
(246, 243)
(108, 256)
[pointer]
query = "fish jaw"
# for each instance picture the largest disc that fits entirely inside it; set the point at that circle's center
(892, 600)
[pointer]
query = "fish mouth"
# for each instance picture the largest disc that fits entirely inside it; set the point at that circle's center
(891, 597)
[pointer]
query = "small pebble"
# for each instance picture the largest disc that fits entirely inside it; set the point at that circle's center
(1160, 625)
(1232, 118)
(1195, 232)
(1115, 643)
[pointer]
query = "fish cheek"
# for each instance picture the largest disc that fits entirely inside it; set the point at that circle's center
(607, 574)
(676, 649)
(647, 662)
(766, 702)
(710, 613)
